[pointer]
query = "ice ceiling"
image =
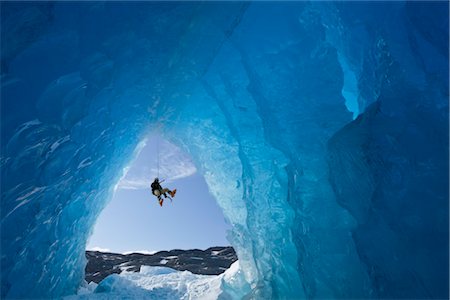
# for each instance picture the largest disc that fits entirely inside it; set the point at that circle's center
(321, 205)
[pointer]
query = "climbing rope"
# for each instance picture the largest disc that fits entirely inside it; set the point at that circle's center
(157, 156)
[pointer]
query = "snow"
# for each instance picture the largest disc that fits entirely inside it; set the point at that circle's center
(100, 249)
(171, 257)
(158, 283)
(140, 251)
(124, 267)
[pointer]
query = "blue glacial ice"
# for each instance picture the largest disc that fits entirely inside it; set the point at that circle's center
(321, 129)
(156, 283)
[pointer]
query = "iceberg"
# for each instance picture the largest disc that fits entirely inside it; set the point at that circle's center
(321, 128)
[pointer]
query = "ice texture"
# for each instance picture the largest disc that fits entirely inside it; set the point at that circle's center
(159, 283)
(263, 96)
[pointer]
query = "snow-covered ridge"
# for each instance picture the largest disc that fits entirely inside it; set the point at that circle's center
(212, 261)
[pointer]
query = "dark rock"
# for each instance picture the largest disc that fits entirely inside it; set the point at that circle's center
(212, 261)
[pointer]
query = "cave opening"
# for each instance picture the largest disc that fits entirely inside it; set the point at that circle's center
(133, 221)
(320, 206)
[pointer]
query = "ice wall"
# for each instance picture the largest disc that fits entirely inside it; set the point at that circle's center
(389, 168)
(321, 206)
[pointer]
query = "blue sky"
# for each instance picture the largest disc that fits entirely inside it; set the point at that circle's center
(134, 221)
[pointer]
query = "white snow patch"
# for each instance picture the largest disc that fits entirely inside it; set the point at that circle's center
(163, 261)
(171, 257)
(99, 249)
(218, 252)
(107, 257)
(139, 251)
(124, 267)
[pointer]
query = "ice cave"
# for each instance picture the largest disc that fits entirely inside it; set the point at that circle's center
(321, 129)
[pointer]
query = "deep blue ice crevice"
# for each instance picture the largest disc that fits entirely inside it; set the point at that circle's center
(380, 164)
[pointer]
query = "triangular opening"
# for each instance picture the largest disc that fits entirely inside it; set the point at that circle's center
(133, 221)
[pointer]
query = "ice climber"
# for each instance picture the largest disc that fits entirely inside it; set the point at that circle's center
(159, 191)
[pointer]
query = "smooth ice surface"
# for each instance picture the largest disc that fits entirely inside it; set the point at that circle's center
(262, 96)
